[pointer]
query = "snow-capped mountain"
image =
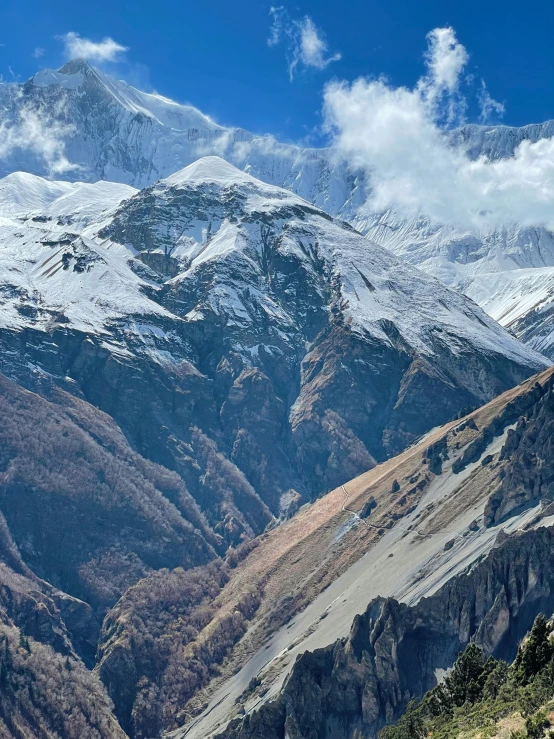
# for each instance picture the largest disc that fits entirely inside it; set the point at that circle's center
(114, 132)
(508, 271)
(111, 131)
(228, 324)
(217, 303)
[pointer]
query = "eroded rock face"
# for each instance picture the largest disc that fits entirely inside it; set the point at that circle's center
(393, 651)
(528, 472)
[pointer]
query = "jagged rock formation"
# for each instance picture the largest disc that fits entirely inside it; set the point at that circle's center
(393, 651)
(527, 475)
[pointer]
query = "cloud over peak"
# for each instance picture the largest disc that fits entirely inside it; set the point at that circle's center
(400, 137)
(36, 131)
(106, 50)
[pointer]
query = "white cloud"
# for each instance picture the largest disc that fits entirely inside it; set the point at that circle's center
(446, 58)
(398, 136)
(490, 108)
(40, 135)
(305, 43)
(106, 50)
(276, 29)
(38, 52)
(313, 47)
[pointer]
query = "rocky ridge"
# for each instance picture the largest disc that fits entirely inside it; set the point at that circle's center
(428, 523)
(394, 651)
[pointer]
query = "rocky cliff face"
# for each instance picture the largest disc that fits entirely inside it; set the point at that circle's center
(527, 474)
(394, 652)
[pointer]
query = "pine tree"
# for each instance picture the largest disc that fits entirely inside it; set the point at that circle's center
(535, 653)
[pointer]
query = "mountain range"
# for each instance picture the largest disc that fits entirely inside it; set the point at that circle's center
(237, 407)
(111, 131)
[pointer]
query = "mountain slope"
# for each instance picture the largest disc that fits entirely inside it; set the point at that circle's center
(233, 329)
(428, 526)
(177, 637)
(226, 637)
(68, 475)
(394, 652)
(508, 271)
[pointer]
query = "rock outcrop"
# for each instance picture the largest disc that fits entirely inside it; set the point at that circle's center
(394, 651)
(528, 473)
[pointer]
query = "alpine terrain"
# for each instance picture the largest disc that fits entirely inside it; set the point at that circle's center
(271, 464)
(117, 133)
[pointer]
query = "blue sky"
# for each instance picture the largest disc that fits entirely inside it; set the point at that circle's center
(216, 55)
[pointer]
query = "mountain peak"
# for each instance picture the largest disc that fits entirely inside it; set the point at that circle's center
(217, 174)
(210, 169)
(70, 76)
(76, 66)
(169, 114)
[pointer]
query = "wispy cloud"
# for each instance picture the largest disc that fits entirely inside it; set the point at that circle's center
(276, 30)
(37, 132)
(106, 50)
(491, 109)
(305, 44)
(400, 137)
(38, 52)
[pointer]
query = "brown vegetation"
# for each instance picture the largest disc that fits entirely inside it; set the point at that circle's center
(164, 640)
(86, 512)
(46, 694)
